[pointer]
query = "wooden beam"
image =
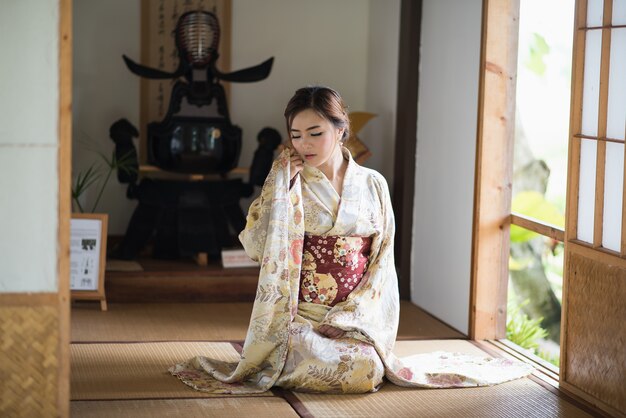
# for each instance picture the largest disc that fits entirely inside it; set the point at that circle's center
(576, 110)
(494, 156)
(614, 140)
(623, 242)
(406, 139)
(64, 203)
(595, 403)
(540, 227)
(583, 28)
(602, 255)
(573, 160)
(29, 299)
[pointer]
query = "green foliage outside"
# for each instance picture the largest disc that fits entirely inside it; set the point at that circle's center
(542, 121)
(538, 50)
(526, 332)
(522, 330)
(533, 204)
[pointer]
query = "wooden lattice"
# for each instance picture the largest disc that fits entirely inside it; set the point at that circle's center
(29, 343)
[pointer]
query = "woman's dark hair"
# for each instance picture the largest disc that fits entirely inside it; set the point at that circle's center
(325, 101)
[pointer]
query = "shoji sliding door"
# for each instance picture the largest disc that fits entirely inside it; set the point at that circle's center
(593, 349)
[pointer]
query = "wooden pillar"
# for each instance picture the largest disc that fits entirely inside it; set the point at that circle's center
(494, 166)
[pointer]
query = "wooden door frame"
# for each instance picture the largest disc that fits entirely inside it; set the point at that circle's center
(64, 201)
(573, 247)
(406, 138)
(495, 134)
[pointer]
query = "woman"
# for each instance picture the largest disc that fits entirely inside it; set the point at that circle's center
(326, 311)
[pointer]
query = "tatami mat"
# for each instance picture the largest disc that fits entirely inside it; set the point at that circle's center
(161, 322)
(407, 348)
(122, 265)
(416, 324)
(206, 322)
(188, 408)
(131, 380)
(138, 370)
(520, 398)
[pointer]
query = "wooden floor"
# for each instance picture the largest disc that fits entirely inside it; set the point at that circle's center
(168, 323)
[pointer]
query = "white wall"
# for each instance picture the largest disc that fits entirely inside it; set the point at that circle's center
(350, 45)
(28, 146)
(382, 85)
(104, 91)
(446, 148)
(313, 42)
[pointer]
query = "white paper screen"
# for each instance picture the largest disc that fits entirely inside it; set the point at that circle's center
(594, 12)
(591, 83)
(613, 195)
(616, 113)
(619, 12)
(587, 189)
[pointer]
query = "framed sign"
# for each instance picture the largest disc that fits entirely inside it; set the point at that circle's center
(158, 50)
(88, 241)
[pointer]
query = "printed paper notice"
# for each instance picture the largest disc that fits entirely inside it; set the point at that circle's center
(85, 253)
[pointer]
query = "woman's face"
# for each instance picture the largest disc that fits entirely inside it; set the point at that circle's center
(314, 137)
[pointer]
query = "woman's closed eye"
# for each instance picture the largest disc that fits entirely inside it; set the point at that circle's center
(316, 133)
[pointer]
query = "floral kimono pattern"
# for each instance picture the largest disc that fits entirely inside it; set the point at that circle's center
(282, 346)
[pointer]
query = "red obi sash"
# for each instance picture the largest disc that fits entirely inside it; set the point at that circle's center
(332, 267)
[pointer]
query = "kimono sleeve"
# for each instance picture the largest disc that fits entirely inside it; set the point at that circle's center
(257, 222)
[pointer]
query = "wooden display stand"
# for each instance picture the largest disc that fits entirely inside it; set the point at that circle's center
(101, 222)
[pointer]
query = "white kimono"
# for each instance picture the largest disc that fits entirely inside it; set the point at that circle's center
(283, 347)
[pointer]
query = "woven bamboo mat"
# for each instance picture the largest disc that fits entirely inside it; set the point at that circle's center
(138, 370)
(213, 407)
(161, 322)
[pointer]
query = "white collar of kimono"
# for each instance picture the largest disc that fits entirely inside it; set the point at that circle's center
(344, 209)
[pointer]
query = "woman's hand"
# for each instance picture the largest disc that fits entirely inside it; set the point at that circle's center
(331, 332)
(297, 163)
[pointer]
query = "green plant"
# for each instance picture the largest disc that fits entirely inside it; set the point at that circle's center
(549, 357)
(94, 174)
(538, 50)
(522, 330)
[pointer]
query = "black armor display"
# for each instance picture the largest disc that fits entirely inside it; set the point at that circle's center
(187, 140)
(195, 136)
